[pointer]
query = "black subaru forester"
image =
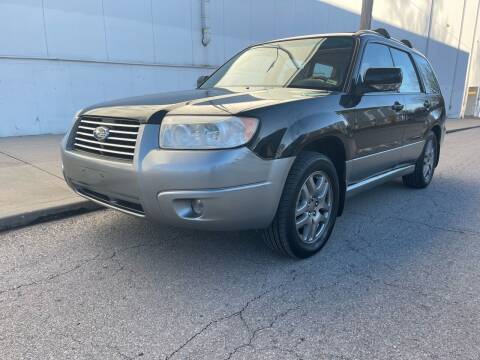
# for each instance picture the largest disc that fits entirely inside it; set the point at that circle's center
(275, 139)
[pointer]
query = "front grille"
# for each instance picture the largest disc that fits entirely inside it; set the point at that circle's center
(120, 142)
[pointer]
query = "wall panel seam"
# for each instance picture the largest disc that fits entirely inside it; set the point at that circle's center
(106, 62)
(45, 28)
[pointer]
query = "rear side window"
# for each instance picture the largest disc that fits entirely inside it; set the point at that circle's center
(375, 56)
(402, 60)
(428, 76)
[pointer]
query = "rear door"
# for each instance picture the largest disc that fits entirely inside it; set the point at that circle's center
(412, 118)
(434, 104)
(377, 127)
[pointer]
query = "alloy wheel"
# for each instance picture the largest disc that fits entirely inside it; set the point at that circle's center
(428, 160)
(313, 207)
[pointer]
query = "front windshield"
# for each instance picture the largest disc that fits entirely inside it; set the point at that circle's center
(316, 63)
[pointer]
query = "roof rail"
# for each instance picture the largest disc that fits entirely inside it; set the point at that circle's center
(383, 32)
(407, 43)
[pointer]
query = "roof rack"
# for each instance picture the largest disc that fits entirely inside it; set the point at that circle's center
(407, 43)
(379, 31)
(382, 32)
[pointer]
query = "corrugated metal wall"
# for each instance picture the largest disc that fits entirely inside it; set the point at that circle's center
(57, 56)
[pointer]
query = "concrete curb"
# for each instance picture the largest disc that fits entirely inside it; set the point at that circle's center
(47, 214)
(463, 129)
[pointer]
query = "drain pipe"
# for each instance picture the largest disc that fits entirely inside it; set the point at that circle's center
(204, 22)
(450, 105)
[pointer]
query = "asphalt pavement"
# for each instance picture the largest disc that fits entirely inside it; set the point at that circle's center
(399, 279)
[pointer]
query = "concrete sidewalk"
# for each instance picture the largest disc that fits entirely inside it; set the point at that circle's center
(32, 183)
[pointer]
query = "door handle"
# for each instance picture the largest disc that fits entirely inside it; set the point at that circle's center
(397, 106)
(427, 104)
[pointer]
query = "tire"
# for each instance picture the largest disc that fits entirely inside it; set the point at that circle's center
(425, 165)
(282, 235)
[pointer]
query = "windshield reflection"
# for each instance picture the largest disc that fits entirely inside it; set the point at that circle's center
(314, 63)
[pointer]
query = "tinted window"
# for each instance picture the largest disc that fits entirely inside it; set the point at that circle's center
(374, 56)
(317, 63)
(428, 76)
(402, 60)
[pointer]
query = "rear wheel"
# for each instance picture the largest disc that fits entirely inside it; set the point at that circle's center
(425, 165)
(308, 207)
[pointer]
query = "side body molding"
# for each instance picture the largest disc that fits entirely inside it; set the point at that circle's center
(362, 168)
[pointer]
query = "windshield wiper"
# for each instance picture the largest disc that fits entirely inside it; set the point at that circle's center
(326, 88)
(278, 47)
(274, 62)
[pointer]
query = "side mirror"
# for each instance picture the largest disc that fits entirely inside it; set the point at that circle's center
(201, 80)
(383, 79)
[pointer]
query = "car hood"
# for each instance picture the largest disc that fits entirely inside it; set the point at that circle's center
(225, 101)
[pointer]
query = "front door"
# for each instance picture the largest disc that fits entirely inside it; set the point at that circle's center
(378, 124)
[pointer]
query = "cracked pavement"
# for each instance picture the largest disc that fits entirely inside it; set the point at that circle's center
(398, 279)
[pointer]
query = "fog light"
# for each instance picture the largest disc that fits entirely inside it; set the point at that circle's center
(197, 206)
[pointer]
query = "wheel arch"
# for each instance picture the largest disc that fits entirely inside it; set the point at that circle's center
(437, 130)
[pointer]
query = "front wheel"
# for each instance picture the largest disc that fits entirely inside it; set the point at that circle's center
(308, 207)
(425, 166)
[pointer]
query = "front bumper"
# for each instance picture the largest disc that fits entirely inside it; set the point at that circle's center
(237, 189)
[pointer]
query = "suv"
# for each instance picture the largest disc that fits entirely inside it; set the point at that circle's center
(275, 139)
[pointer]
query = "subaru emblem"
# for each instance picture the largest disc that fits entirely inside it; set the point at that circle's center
(101, 133)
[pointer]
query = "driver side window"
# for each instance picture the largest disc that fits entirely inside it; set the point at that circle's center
(375, 56)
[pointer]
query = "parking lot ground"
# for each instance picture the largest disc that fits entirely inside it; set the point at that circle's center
(399, 279)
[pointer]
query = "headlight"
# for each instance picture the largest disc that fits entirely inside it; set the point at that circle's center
(206, 132)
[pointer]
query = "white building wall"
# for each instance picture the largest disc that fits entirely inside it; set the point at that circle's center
(441, 29)
(474, 75)
(57, 56)
(475, 69)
